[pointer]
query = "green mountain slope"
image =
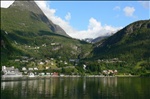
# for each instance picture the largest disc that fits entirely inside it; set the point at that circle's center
(27, 17)
(131, 45)
(7, 50)
(28, 38)
(30, 34)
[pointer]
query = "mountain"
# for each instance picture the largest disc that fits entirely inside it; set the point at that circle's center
(29, 38)
(95, 40)
(98, 39)
(129, 45)
(27, 32)
(26, 16)
(89, 40)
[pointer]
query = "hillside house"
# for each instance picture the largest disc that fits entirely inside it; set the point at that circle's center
(24, 69)
(84, 66)
(52, 59)
(25, 61)
(35, 68)
(73, 60)
(30, 69)
(52, 63)
(17, 60)
(41, 63)
(44, 45)
(65, 63)
(46, 67)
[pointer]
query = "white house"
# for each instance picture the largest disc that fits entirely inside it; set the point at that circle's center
(84, 66)
(35, 68)
(24, 69)
(65, 63)
(105, 72)
(47, 67)
(52, 63)
(115, 71)
(30, 69)
(41, 63)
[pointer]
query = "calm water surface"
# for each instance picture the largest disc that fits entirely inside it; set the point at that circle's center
(77, 88)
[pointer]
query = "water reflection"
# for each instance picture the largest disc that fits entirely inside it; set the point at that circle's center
(77, 88)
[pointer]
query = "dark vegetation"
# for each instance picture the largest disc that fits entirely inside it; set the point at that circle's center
(131, 44)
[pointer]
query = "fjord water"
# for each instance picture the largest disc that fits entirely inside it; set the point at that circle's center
(77, 88)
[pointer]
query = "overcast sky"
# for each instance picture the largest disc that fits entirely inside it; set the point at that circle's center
(90, 19)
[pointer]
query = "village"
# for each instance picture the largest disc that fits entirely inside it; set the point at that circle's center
(52, 67)
(34, 72)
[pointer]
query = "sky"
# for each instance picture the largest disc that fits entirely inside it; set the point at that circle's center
(91, 19)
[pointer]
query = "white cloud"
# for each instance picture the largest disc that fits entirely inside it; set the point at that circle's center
(117, 8)
(145, 4)
(6, 4)
(68, 16)
(94, 28)
(129, 11)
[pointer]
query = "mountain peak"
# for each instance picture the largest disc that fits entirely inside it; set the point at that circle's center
(29, 5)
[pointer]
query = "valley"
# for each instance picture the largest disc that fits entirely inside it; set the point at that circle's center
(29, 39)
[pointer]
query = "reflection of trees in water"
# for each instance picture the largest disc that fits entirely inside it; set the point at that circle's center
(71, 88)
(109, 81)
(76, 88)
(109, 86)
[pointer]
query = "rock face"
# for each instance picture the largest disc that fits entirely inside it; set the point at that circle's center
(31, 6)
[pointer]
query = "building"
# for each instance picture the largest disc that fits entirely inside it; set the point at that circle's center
(30, 69)
(35, 68)
(24, 69)
(109, 72)
(11, 72)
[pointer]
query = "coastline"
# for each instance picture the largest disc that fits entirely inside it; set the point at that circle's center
(127, 75)
(36, 77)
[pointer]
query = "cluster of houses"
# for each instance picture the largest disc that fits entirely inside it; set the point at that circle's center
(109, 72)
(24, 59)
(31, 72)
(43, 45)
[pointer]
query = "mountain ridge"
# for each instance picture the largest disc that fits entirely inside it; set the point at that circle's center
(29, 32)
(38, 13)
(130, 46)
(127, 31)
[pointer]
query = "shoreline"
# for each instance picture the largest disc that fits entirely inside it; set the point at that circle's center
(24, 78)
(127, 75)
